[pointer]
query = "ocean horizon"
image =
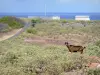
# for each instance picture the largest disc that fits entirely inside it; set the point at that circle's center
(93, 16)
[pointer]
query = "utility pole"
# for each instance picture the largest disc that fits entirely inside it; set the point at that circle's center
(45, 10)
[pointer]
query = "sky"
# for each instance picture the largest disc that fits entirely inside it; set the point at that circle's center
(32, 6)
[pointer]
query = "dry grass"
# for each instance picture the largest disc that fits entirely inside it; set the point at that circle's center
(20, 58)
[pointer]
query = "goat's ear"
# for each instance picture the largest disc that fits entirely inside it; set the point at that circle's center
(65, 42)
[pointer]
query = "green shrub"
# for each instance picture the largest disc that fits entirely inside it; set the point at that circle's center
(63, 20)
(11, 71)
(93, 50)
(10, 57)
(32, 30)
(37, 20)
(97, 43)
(95, 30)
(94, 72)
(12, 22)
(54, 69)
(4, 27)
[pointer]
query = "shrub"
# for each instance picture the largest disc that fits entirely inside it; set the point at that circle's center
(97, 43)
(63, 20)
(4, 27)
(95, 30)
(32, 30)
(11, 71)
(12, 22)
(34, 21)
(94, 72)
(10, 57)
(93, 50)
(37, 20)
(54, 69)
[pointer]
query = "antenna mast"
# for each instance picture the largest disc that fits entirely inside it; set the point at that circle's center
(45, 10)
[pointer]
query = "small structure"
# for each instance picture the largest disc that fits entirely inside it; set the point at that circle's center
(55, 18)
(84, 18)
(31, 16)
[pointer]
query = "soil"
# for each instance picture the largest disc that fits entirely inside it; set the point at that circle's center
(39, 40)
(53, 41)
(4, 36)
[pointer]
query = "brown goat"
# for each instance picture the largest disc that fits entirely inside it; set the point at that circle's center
(73, 48)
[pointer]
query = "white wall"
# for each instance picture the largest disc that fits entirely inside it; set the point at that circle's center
(82, 18)
(56, 18)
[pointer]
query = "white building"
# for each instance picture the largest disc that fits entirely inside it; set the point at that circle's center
(31, 16)
(85, 18)
(55, 18)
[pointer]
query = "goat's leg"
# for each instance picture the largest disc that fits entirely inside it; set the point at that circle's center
(71, 51)
(81, 51)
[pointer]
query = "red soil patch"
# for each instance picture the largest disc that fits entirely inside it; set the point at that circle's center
(93, 65)
(44, 41)
(94, 62)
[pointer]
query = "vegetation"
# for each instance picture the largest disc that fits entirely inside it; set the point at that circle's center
(64, 21)
(4, 27)
(97, 43)
(33, 31)
(10, 23)
(37, 20)
(94, 72)
(20, 58)
(55, 28)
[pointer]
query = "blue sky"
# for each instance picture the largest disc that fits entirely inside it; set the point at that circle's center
(29, 6)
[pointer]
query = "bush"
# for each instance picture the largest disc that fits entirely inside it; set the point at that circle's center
(63, 20)
(32, 30)
(11, 71)
(10, 57)
(12, 22)
(37, 20)
(94, 72)
(4, 27)
(93, 50)
(34, 21)
(97, 43)
(95, 30)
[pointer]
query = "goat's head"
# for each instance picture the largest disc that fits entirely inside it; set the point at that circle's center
(84, 47)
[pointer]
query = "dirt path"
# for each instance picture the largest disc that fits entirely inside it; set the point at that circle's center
(45, 40)
(14, 33)
(4, 36)
(73, 38)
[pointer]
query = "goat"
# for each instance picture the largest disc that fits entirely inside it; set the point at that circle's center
(73, 48)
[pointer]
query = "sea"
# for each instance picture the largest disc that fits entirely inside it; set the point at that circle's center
(92, 16)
